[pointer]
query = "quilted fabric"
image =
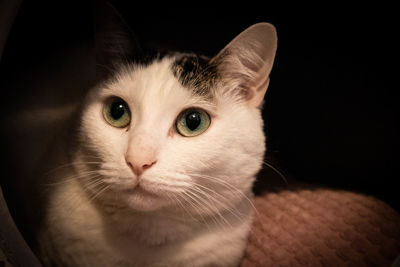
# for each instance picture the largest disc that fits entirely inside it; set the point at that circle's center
(302, 225)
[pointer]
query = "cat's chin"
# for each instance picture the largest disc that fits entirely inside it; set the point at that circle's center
(140, 199)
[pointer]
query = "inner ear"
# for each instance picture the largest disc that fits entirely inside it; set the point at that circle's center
(246, 62)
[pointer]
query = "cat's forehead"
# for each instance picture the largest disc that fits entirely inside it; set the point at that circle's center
(173, 79)
(196, 73)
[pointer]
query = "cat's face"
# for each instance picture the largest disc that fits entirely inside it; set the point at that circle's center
(225, 156)
(168, 135)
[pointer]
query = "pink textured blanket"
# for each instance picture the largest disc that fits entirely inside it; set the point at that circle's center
(302, 225)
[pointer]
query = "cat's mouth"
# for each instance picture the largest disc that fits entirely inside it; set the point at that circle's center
(139, 190)
(142, 198)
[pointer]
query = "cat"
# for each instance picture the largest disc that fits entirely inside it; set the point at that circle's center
(164, 159)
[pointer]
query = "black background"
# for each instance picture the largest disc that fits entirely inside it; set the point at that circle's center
(331, 108)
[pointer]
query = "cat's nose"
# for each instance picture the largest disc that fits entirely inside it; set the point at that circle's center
(141, 154)
(138, 166)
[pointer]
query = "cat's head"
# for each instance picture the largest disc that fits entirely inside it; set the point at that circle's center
(180, 130)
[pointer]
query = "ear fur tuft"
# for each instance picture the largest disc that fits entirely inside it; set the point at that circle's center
(246, 62)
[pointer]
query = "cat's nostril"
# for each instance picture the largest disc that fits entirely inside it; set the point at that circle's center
(129, 164)
(146, 166)
(138, 168)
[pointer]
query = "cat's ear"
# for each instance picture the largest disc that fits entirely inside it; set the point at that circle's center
(114, 41)
(246, 62)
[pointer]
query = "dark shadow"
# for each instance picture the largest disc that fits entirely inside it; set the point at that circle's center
(46, 68)
(331, 109)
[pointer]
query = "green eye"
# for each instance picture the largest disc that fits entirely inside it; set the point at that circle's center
(116, 112)
(192, 122)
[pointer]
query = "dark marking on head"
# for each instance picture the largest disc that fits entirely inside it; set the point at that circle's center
(196, 73)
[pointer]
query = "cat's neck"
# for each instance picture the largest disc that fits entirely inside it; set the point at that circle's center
(170, 225)
(126, 227)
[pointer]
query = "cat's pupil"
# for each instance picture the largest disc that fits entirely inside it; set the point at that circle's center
(117, 110)
(193, 120)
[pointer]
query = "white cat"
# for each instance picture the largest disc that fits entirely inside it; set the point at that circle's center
(165, 160)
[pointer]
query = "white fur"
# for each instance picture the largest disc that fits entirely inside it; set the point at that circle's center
(173, 224)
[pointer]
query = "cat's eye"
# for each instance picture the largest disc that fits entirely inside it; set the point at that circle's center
(116, 112)
(192, 122)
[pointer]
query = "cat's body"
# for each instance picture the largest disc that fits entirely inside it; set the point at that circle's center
(162, 170)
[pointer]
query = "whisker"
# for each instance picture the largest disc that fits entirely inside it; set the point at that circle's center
(194, 204)
(83, 175)
(276, 171)
(177, 203)
(99, 192)
(93, 181)
(71, 164)
(232, 210)
(91, 156)
(227, 185)
(210, 208)
(75, 200)
(224, 205)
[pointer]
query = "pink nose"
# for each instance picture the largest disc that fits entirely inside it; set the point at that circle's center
(139, 166)
(141, 153)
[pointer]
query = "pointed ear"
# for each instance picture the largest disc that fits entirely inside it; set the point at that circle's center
(246, 62)
(114, 42)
